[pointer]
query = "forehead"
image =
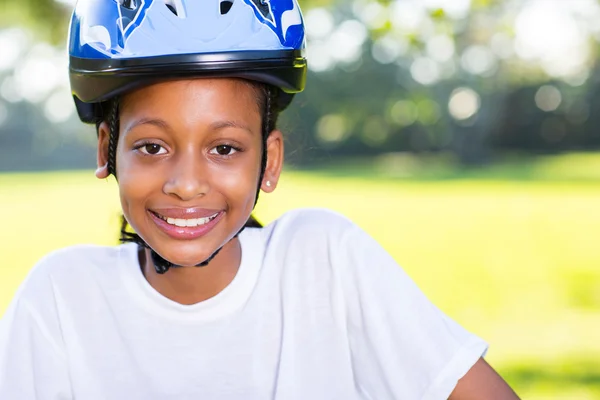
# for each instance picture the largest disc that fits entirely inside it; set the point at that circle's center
(196, 97)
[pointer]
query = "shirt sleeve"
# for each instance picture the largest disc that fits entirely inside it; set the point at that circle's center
(33, 365)
(402, 346)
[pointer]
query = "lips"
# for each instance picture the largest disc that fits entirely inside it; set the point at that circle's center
(187, 223)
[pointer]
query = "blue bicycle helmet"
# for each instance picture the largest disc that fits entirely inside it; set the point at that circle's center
(119, 45)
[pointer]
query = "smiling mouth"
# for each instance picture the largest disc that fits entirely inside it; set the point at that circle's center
(184, 223)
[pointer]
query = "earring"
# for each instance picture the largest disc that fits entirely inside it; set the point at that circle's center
(268, 183)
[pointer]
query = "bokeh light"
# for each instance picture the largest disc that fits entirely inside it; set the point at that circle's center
(548, 98)
(425, 71)
(59, 107)
(464, 103)
(387, 49)
(440, 48)
(404, 113)
(332, 128)
(561, 52)
(478, 60)
(319, 23)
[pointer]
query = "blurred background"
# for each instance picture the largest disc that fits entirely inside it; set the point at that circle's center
(462, 134)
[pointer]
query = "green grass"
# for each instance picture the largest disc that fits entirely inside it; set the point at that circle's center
(573, 167)
(516, 261)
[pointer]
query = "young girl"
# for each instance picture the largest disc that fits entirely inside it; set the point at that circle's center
(203, 303)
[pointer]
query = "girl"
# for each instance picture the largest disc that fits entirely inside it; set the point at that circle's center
(203, 303)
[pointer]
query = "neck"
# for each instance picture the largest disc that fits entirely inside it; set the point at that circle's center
(191, 285)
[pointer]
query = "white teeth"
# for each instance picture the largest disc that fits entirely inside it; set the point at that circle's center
(189, 222)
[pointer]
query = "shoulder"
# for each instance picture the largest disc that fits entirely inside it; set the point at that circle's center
(325, 235)
(312, 221)
(68, 265)
(70, 259)
(308, 234)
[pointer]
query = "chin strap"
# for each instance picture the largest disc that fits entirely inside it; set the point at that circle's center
(162, 266)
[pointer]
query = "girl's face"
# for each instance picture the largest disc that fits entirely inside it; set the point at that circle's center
(188, 163)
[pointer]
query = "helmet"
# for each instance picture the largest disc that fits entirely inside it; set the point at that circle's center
(119, 45)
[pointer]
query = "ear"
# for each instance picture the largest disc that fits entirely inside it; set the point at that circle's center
(102, 156)
(274, 161)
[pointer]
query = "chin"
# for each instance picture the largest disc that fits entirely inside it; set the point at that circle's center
(191, 260)
(185, 256)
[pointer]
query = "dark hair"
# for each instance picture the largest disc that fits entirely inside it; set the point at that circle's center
(266, 96)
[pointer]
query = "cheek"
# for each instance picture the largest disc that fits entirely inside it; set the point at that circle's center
(136, 183)
(238, 182)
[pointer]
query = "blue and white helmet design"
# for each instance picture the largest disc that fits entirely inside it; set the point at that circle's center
(118, 45)
(147, 28)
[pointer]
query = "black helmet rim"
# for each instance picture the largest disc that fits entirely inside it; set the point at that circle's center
(94, 81)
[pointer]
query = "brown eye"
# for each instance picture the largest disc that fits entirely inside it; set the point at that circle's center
(152, 149)
(223, 150)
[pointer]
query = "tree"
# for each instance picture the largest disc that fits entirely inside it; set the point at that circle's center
(47, 18)
(424, 76)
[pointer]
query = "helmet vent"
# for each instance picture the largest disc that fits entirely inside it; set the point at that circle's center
(176, 7)
(226, 6)
(264, 8)
(128, 4)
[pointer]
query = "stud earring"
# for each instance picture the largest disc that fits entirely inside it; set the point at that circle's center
(268, 183)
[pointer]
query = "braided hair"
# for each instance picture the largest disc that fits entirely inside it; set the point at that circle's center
(113, 137)
(270, 113)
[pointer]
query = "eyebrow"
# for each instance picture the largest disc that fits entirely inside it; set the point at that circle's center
(162, 124)
(230, 124)
(159, 123)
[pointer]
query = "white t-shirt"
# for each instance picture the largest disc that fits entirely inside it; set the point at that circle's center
(317, 310)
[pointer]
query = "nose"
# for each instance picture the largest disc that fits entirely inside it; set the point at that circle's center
(188, 177)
